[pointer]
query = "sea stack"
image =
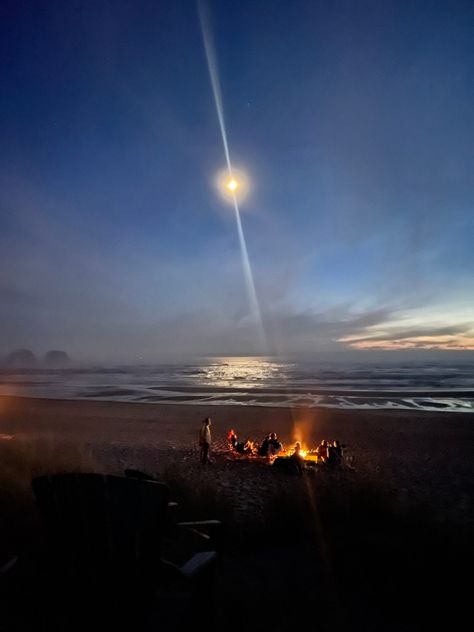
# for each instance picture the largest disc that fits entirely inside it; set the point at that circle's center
(21, 358)
(56, 359)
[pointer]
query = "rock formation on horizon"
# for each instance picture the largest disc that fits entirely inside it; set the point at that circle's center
(56, 358)
(21, 358)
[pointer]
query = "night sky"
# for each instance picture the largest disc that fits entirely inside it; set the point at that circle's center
(352, 120)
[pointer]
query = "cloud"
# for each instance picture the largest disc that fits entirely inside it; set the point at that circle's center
(306, 331)
(453, 337)
(133, 300)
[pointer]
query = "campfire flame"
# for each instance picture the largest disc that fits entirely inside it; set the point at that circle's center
(306, 453)
(303, 452)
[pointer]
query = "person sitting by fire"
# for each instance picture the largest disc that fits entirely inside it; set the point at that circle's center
(264, 446)
(274, 445)
(297, 459)
(334, 454)
(244, 447)
(270, 446)
(322, 451)
(232, 439)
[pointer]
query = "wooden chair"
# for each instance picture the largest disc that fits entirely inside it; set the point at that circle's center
(105, 536)
(204, 533)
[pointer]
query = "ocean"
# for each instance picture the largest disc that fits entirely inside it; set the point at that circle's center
(255, 381)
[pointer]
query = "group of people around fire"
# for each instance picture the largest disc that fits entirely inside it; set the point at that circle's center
(269, 447)
(328, 453)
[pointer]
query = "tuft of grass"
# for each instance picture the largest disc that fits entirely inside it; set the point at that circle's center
(20, 462)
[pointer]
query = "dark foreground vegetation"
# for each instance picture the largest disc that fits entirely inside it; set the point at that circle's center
(327, 551)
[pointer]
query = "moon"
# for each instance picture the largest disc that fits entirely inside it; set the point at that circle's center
(233, 186)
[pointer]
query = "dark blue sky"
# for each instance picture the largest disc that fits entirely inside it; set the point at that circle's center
(353, 121)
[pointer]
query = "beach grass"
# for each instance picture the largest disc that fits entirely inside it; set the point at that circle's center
(20, 462)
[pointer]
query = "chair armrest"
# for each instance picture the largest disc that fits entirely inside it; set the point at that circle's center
(198, 564)
(201, 523)
(210, 528)
(193, 574)
(192, 539)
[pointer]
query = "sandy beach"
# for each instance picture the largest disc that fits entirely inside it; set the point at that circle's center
(352, 561)
(425, 456)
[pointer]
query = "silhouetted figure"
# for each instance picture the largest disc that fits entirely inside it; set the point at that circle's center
(244, 447)
(297, 459)
(205, 440)
(322, 451)
(274, 445)
(264, 446)
(232, 438)
(334, 452)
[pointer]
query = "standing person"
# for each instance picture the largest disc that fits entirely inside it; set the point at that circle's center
(205, 440)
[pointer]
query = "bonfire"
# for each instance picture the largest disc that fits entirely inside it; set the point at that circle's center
(249, 449)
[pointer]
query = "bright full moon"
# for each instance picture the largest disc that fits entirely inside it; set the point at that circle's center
(232, 185)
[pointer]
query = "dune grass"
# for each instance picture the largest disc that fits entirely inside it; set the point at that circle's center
(20, 462)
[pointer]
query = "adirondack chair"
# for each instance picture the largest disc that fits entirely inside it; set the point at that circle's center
(105, 566)
(203, 533)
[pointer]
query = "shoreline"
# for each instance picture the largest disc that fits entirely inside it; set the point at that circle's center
(198, 410)
(360, 401)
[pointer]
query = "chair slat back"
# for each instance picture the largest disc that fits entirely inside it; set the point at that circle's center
(102, 528)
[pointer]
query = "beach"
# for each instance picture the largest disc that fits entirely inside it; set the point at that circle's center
(426, 456)
(340, 546)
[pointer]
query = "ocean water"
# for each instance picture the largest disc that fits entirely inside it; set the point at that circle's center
(258, 382)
